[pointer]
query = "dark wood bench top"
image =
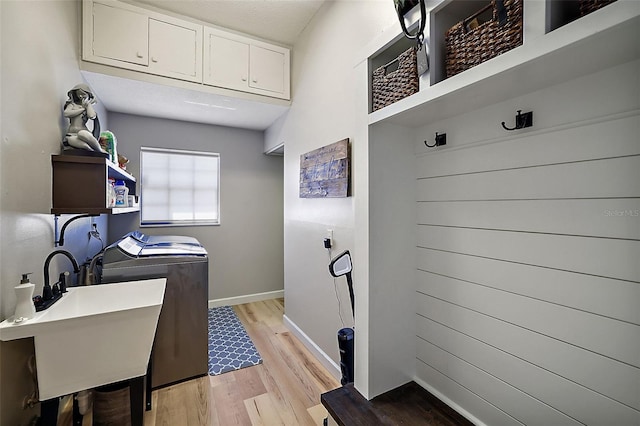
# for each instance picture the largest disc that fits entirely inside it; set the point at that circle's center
(409, 404)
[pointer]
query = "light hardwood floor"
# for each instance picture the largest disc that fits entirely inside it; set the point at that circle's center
(284, 390)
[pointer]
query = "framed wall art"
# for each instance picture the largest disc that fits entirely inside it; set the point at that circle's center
(324, 172)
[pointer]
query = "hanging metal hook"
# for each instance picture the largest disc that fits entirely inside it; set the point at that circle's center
(522, 120)
(441, 139)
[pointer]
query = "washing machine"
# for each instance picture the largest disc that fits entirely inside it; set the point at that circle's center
(180, 349)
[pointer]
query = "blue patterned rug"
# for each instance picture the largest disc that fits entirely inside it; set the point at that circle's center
(230, 348)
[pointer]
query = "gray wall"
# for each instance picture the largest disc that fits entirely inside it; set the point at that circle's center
(246, 249)
(322, 113)
(39, 48)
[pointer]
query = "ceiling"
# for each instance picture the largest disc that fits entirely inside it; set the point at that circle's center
(136, 97)
(279, 21)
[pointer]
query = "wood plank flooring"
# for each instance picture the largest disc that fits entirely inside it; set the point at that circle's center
(284, 390)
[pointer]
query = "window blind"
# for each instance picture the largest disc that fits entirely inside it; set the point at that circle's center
(179, 187)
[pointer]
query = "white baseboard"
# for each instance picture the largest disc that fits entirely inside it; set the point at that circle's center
(238, 300)
(315, 350)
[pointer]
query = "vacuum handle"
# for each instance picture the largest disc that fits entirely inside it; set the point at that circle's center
(351, 296)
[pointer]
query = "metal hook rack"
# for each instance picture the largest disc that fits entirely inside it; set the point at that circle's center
(522, 120)
(441, 139)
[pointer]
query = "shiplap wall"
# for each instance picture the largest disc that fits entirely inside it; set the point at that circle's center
(528, 257)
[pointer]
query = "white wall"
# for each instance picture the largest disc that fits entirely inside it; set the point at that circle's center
(1, 181)
(392, 242)
(246, 249)
(322, 112)
(39, 47)
(527, 260)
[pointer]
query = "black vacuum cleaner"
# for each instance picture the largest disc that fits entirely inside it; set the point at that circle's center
(339, 266)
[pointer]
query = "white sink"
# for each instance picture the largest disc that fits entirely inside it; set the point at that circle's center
(92, 336)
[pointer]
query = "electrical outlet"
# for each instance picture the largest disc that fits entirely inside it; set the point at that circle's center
(328, 240)
(94, 232)
(327, 243)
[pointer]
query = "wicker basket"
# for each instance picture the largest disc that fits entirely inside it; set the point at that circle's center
(390, 87)
(588, 6)
(111, 406)
(467, 47)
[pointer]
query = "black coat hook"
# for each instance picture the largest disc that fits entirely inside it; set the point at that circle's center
(441, 139)
(522, 120)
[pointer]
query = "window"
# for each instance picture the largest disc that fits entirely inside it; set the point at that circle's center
(179, 187)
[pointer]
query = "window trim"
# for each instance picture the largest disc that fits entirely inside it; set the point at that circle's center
(171, 223)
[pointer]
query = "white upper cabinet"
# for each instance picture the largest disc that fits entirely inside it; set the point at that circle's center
(226, 62)
(266, 68)
(134, 38)
(241, 63)
(120, 34)
(125, 36)
(175, 50)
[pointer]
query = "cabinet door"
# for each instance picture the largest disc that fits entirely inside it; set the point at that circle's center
(174, 49)
(227, 62)
(266, 68)
(120, 34)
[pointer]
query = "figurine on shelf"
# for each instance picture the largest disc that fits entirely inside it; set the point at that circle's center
(109, 144)
(79, 109)
(122, 161)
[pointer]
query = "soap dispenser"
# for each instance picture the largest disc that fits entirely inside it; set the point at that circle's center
(25, 308)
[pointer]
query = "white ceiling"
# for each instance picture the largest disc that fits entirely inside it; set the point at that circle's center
(280, 21)
(153, 100)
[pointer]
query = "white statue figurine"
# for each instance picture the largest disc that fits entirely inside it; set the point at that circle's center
(79, 109)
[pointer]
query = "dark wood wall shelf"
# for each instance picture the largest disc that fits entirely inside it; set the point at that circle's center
(79, 185)
(91, 210)
(409, 404)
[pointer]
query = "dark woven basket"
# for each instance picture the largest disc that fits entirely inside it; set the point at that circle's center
(390, 87)
(588, 6)
(111, 406)
(467, 48)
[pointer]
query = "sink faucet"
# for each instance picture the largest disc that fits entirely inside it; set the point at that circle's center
(46, 291)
